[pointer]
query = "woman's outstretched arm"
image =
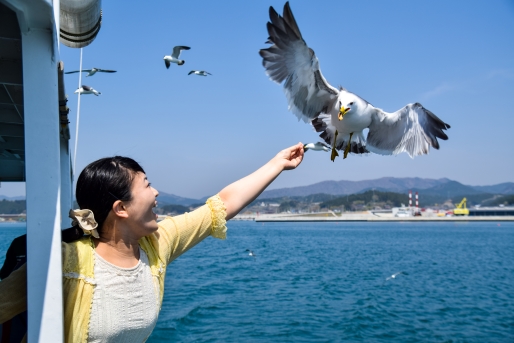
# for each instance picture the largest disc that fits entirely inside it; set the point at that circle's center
(242, 192)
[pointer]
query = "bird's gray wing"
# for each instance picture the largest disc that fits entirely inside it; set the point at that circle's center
(412, 129)
(78, 71)
(290, 59)
(167, 63)
(86, 88)
(106, 70)
(178, 49)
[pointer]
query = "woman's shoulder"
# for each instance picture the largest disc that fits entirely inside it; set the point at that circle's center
(77, 256)
(82, 243)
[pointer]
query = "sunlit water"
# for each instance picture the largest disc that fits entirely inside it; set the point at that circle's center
(326, 282)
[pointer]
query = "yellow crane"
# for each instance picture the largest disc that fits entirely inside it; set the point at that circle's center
(460, 209)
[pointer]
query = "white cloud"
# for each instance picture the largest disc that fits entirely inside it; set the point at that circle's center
(501, 73)
(441, 89)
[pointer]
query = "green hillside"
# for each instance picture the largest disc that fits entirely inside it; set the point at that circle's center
(12, 207)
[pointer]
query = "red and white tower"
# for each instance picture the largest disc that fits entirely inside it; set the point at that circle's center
(417, 204)
(410, 198)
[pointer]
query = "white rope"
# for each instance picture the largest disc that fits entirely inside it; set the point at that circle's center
(78, 116)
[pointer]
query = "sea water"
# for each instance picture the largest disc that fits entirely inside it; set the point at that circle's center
(331, 282)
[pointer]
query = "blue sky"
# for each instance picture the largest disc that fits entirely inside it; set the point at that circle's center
(194, 135)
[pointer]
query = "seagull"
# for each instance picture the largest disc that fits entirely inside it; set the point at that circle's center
(395, 275)
(250, 253)
(199, 72)
(92, 71)
(87, 90)
(318, 146)
(340, 115)
(175, 55)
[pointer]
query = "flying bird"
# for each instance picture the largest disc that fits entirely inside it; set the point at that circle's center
(91, 71)
(174, 58)
(340, 115)
(318, 146)
(87, 90)
(199, 72)
(250, 253)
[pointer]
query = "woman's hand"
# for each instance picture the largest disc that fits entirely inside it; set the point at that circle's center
(291, 157)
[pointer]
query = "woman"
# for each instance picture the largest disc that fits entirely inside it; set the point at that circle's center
(113, 278)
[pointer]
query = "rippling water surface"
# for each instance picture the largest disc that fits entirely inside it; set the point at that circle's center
(326, 282)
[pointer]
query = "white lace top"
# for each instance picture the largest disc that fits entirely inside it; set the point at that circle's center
(125, 302)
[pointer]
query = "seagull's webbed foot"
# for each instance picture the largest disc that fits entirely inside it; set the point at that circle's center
(348, 146)
(334, 151)
(334, 154)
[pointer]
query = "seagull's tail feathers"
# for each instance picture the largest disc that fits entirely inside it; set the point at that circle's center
(181, 62)
(358, 142)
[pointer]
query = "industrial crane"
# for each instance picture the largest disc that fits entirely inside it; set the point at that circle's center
(460, 209)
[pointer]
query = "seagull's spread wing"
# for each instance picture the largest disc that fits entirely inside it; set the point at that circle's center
(412, 129)
(191, 72)
(106, 70)
(78, 71)
(167, 63)
(178, 49)
(290, 59)
(86, 88)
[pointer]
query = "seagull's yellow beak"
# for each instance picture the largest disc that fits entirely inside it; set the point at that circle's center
(342, 112)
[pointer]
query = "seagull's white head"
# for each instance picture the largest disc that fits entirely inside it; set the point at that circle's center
(349, 103)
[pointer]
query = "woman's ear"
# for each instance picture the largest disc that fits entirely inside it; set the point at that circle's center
(119, 209)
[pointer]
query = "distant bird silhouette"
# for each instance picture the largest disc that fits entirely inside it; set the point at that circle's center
(91, 71)
(250, 253)
(395, 275)
(87, 90)
(199, 72)
(174, 58)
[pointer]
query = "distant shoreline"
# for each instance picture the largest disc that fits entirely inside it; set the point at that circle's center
(366, 217)
(404, 219)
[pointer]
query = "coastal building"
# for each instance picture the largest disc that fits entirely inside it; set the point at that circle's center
(491, 211)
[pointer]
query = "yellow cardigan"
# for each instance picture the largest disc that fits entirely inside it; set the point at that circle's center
(175, 236)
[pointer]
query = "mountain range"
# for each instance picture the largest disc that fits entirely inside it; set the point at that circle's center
(425, 187)
(171, 199)
(442, 186)
(3, 197)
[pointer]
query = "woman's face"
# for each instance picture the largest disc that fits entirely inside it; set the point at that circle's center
(140, 208)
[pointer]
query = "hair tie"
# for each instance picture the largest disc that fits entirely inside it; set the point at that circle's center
(85, 219)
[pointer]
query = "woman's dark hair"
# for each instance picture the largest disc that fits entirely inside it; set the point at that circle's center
(103, 182)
